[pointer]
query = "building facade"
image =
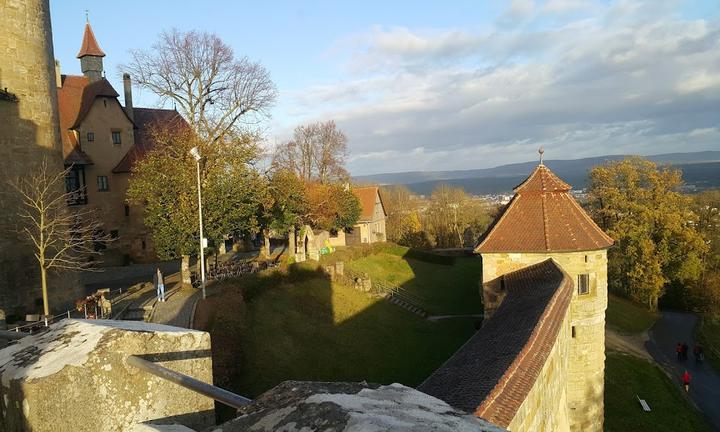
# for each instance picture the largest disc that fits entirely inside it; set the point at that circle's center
(102, 140)
(370, 227)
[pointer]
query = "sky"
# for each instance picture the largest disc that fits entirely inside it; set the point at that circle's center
(455, 84)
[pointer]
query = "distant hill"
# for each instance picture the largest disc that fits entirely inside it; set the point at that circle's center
(700, 169)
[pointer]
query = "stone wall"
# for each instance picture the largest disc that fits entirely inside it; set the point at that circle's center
(545, 408)
(586, 370)
(75, 377)
(28, 134)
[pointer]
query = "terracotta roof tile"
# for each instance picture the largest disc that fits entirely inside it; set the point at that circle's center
(145, 120)
(89, 45)
(69, 102)
(492, 374)
(543, 217)
(367, 195)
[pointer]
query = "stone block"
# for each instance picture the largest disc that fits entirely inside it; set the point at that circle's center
(351, 407)
(74, 377)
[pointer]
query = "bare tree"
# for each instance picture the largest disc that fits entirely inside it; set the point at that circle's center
(316, 152)
(62, 239)
(217, 93)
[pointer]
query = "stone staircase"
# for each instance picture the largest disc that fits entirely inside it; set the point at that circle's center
(398, 300)
(137, 313)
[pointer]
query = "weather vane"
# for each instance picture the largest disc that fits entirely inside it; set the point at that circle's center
(541, 151)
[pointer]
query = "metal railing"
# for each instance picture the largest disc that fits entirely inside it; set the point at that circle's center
(219, 394)
(46, 321)
(386, 289)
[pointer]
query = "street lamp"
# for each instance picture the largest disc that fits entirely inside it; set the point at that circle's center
(196, 154)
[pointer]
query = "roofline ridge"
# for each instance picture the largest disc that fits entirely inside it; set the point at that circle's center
(592, 223)
(496, 223)
(534, 338)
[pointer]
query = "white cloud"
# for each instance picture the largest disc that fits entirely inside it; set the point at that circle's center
(628, 77)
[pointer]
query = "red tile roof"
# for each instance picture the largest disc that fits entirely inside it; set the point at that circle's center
(492, 374)
(543, 217)
(367, 195)
(145, 120)
(69, 102)
(89, 45)
(75, 99)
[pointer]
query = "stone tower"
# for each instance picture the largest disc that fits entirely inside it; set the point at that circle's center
(544, 221)
(90, 55)
(29, 133)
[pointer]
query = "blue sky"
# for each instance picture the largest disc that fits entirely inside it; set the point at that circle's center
(453, 85)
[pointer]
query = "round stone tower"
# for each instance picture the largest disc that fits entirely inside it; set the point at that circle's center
(29, 134)
(544, 221)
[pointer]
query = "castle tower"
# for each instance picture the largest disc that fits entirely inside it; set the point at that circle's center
(90, 55)
(544, 221)
(29, 134)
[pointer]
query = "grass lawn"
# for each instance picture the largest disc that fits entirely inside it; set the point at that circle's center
(445, 289)
(709, 333)
(627, 317)
(627, 376)
(299, 326)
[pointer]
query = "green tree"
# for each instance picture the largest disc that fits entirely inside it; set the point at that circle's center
(639, 205)
(705, 292)
(165, 182)
(331, 207)
(283, 206)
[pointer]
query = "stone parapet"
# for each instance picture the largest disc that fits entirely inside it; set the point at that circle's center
(74, 377)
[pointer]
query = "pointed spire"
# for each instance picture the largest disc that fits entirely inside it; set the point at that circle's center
(90, 45)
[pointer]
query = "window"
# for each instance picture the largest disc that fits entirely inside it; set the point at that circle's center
(116, 137)
(144, 245)
(583, 284)
(102, 182)
(114, 234)
(91, 136)
(127, 210)
(75, 186)
(573, 331)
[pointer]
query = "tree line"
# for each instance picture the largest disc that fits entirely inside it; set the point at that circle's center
(667, 243)
(448, 218)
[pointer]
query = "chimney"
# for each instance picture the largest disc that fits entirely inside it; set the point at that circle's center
(58, 76)
(127, 84)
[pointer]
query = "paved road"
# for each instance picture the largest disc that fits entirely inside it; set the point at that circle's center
(674, 327)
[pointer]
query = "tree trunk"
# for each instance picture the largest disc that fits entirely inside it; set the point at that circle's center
(185, 271)
(265, 251)
(43, 284)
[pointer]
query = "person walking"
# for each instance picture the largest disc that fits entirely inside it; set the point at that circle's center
(678, 350)
(684, 351)
(686, 380)
(159, 284)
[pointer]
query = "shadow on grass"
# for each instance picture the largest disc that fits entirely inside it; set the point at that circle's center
(295, 324)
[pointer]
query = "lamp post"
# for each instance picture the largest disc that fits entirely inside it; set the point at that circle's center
(196, 154)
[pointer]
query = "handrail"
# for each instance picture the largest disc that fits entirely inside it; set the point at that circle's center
(221, 395)
(13, 335)
(66, 314)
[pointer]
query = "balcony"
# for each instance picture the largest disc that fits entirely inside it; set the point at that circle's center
(76, 197)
